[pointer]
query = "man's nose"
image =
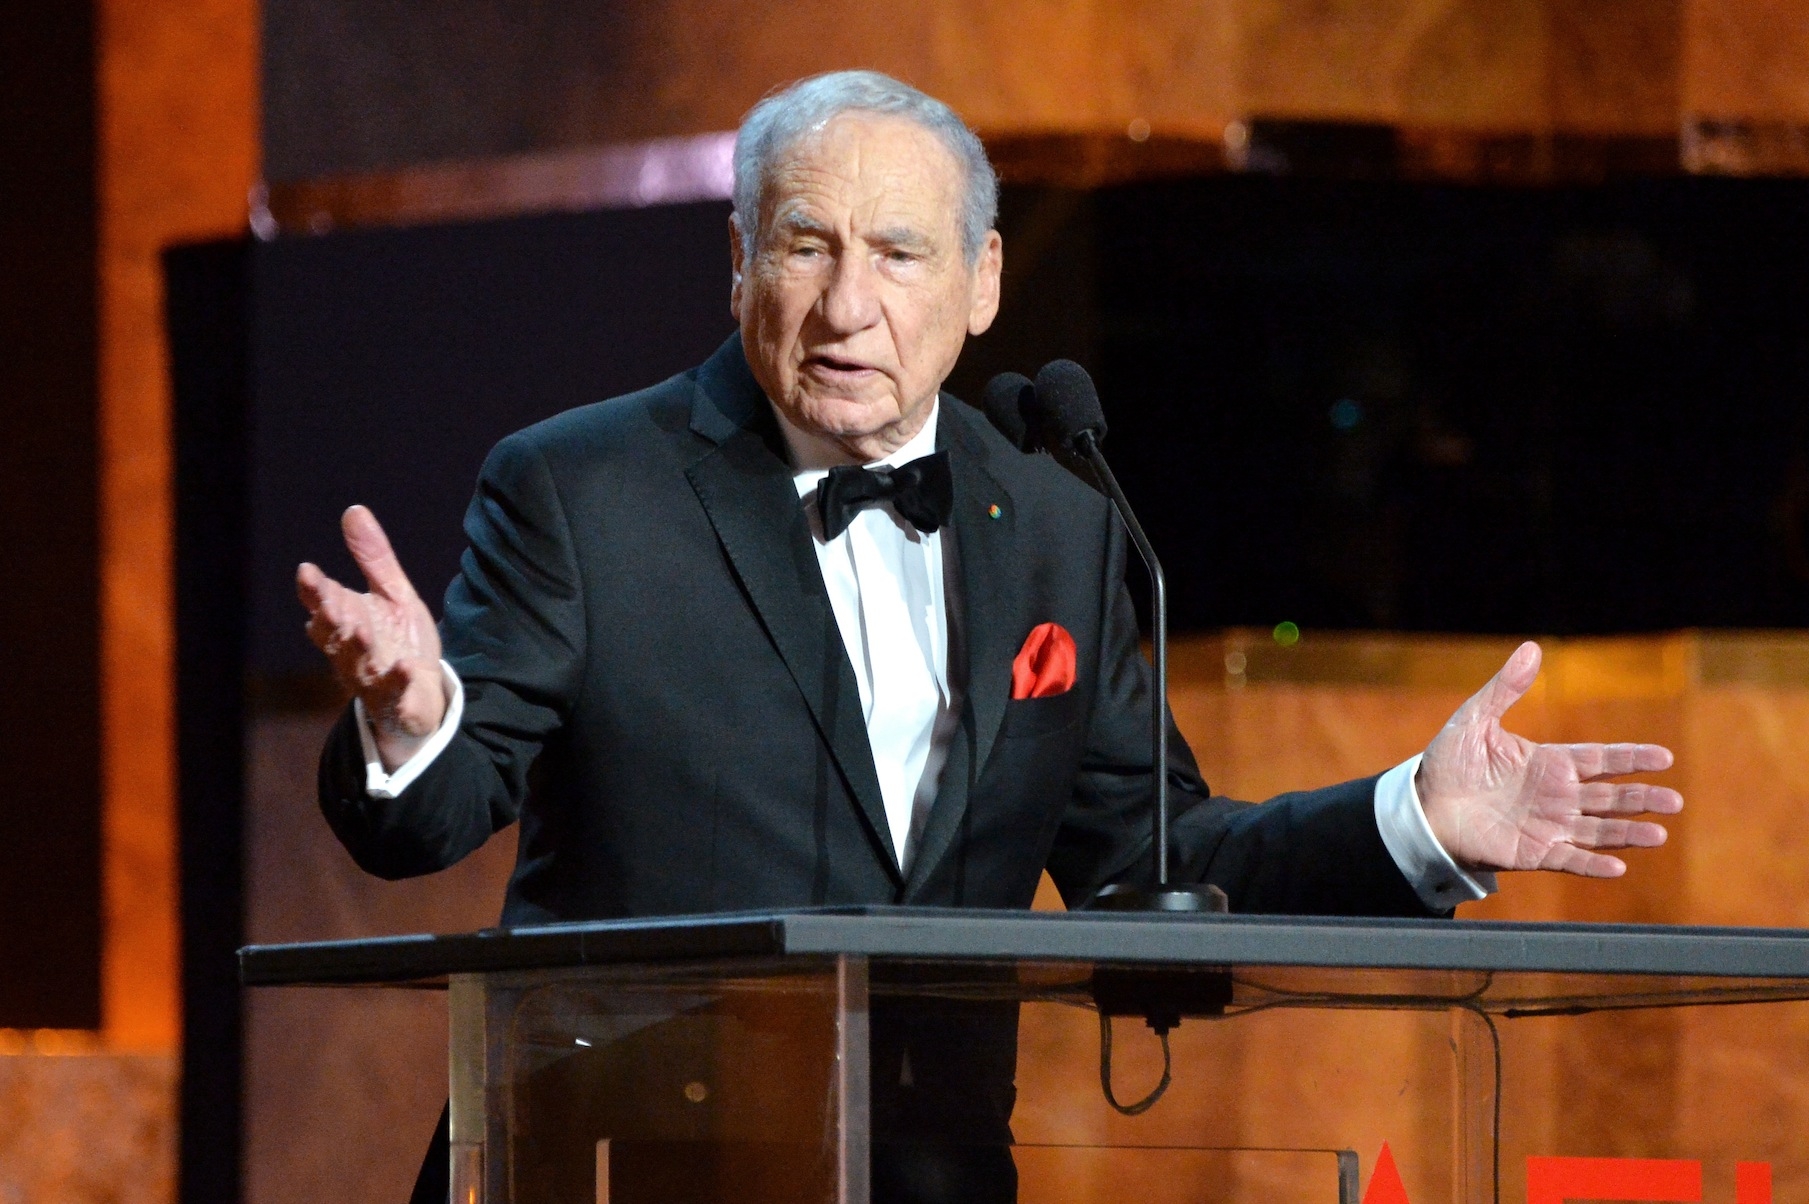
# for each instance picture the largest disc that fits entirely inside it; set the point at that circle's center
(851, 300)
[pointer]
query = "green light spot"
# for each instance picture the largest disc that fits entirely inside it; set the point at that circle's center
(1287, 634)
(1346, 414)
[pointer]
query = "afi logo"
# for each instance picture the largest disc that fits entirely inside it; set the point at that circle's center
(1555, 1180)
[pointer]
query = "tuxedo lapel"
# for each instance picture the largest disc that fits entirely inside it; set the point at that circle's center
(745, 487)
(988, 560)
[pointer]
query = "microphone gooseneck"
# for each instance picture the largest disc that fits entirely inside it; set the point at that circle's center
(1069, 416)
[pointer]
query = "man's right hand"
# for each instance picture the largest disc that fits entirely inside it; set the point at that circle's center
(383, 645)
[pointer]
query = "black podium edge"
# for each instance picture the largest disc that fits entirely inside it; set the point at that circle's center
(934, 934)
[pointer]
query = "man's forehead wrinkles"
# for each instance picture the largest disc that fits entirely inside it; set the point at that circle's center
(881, 218)
(879, 183)
(879, 213)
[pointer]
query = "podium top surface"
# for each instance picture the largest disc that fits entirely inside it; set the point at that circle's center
(1006, 937)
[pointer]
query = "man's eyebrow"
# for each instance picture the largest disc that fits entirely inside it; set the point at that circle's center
(905, 237)
(801, 223)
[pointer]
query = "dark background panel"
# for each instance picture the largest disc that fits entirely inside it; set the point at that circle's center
(386, 364)
(357, 85)
(1385, 405)
(207, 311)
(50, 729)
(1353, 404)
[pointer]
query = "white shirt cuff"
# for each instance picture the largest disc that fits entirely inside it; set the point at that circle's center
(379, 784)
(1439, 881)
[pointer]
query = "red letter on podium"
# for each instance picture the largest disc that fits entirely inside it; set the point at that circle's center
(1752, 1183)
(1385, 1186)
(1555, 1180)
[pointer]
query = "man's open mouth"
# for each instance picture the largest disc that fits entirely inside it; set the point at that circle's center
(831, 363)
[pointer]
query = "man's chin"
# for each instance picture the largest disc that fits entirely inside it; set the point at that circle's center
(846, 418)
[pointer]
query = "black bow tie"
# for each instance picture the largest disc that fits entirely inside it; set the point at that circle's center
(921, 491)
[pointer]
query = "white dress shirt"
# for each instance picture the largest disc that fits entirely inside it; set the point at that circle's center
(892, 589)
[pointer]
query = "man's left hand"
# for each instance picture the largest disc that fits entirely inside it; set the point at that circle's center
(1498, 801)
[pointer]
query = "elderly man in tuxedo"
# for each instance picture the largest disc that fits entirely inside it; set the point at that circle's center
(747, 638)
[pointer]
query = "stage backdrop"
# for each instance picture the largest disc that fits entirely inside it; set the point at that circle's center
(1343, 404)
(1358, 405)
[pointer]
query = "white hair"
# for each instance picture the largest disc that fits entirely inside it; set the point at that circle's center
(777, 122)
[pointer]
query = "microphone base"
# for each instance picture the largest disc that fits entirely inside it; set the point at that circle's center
(1195, 900)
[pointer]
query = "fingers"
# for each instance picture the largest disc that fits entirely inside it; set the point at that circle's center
(309, 582)
(1627, 798)
(370, 547)
(1506, 687)
(324, 598)
(1592, 832)
(343, 624)
(1577, 853)
(340, 620)
(382, 648)
(366, 657)
(1614, 760)
(1569, 859)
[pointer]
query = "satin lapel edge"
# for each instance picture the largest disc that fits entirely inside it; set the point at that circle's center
(987, 557)
(740, 490)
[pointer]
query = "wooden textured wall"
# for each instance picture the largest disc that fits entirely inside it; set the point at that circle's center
(355, 89)
(1744, 60)
(92, 1118)
(1719, 1084)
(178, 154)
(178, 148)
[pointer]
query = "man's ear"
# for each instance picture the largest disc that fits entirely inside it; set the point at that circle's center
(737, 263)
(988, 267)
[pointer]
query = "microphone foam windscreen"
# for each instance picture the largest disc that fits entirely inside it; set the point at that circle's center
(1069, 403)
(1004, 401)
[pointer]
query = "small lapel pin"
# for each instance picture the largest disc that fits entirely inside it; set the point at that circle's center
(993, 511)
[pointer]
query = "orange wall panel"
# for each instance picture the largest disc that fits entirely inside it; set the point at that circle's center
(1734, 708)
(178, 151)
(1615, 65)
(1747, 60)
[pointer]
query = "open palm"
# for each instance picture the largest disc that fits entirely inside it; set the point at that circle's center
(382, 644)
(1499, 801)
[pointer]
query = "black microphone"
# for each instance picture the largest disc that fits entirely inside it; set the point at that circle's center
(1067, 407)
(1008, 400)
(1070, 419)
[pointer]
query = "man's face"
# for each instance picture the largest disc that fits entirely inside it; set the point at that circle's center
(855, 302)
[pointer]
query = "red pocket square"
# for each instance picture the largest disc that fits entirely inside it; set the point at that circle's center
(1045, 665)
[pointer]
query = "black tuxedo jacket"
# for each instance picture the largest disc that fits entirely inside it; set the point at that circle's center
(657, 689)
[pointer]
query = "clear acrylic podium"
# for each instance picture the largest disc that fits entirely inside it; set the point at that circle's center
(884, 1054)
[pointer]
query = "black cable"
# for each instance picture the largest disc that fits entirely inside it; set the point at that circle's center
(1105, 1071)
(1495, 1122)
(1285, 998)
